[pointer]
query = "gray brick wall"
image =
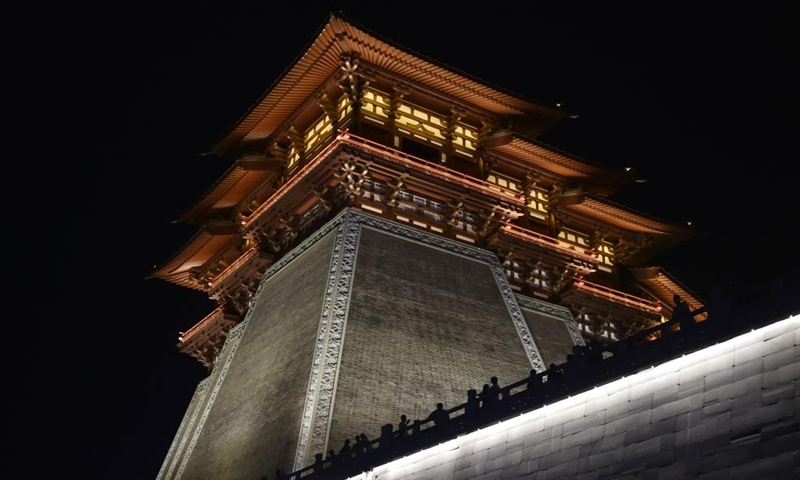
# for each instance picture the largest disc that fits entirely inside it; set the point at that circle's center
(551, 336)
(179, 444)
(252, 427)
(730, 411)
(424, 325)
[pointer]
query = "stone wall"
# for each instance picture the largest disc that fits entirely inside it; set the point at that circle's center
(250, 423)
(424, 325)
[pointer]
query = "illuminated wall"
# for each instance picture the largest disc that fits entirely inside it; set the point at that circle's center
(364, 321)
(254, 396)
(731, 410)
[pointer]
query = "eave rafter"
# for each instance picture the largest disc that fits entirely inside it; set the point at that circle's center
(661, 286)
(242, 178)
(519, 150)
(613, 214)
(182, 269)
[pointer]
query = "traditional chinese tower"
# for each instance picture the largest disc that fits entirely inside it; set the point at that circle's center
(390, 234)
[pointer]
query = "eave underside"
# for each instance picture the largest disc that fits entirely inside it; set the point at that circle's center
(236, 184)
(627, 219)
(196, 253)
(601, 180)
(299, 198)
(659, 283)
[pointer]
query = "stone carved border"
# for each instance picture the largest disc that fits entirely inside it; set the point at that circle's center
(316, 374)
(235, 334)
(228, 351)
(481, 255)
(184, 429)
(410, 233)
(335, 337)
(562, 313)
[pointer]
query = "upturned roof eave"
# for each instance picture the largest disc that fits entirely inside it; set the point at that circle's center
(318, 57)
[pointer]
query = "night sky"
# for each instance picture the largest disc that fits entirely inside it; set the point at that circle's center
(112, 104)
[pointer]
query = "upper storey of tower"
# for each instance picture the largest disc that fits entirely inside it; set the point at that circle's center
(318, 68)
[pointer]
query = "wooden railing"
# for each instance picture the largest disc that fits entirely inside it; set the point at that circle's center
(617, 296)
(184, 337)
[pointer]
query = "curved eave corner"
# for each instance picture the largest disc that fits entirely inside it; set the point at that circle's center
(320, 60)
(663, 285)
(194, 254)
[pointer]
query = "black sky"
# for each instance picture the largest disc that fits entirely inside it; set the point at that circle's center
(111, 105)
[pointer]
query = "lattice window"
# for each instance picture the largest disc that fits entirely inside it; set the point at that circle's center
(374, 106)
(576, 240)
(293, 157)
(539, 278)
(605, 256)
(318, 132)
(504, 181)
(420, 124)
(537, 203)
(514, 271)
(465, 140)
(345, 107)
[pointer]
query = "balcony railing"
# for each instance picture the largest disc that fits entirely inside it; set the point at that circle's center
(434, 169)
(617, 297)
(530, 236)
(210, 319)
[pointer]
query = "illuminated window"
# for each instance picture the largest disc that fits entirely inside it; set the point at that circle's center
(538, 278)
(537, 203)
(375, 105)
(514, 271)
(318, 132)
(465, 140)
(605, 256)
(345, 107)
(411, 120)
(293, 157)
(577, 241)
(505, 182)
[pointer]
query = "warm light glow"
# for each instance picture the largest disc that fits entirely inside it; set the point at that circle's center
(233, 267)
(199, 326)
(433, 169)
(618, 297)
(289, 185)
(537, 238)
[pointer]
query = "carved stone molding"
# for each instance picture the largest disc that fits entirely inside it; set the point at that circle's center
(318, 365)
(228, 352)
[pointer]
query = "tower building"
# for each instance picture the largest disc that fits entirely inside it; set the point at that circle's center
(391, 233)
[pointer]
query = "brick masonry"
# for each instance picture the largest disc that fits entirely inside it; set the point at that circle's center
(729, 411)
(363, 322)
(252, 427)
(551, 336)
(424, 325)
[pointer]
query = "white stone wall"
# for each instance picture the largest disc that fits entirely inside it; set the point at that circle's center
(729, 411)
